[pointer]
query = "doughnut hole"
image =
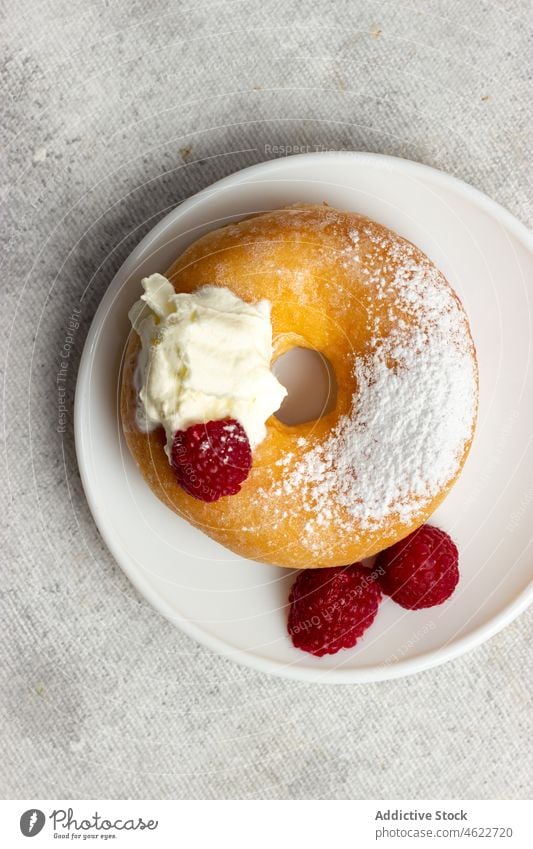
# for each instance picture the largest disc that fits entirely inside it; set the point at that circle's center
(309, 379)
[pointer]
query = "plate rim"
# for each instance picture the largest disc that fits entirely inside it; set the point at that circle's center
(338, 675)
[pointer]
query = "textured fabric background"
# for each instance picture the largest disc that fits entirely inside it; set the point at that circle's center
(113, 112)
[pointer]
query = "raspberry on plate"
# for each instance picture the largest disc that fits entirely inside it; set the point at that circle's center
(420, 570)
(331, 608)
(211, 460)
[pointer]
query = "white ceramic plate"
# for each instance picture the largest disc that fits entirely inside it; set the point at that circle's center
(237, 607)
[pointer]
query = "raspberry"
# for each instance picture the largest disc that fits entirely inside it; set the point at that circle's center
(211, 460)
(331, 608)
(420, 570)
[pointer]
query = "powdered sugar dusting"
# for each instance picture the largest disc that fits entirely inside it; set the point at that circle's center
(414, 407)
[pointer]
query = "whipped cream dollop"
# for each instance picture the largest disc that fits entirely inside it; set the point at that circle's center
(204, 356)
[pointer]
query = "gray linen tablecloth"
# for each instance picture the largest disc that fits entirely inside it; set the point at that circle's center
(113, 112)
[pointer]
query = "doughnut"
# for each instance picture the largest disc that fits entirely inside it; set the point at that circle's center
(369, 471)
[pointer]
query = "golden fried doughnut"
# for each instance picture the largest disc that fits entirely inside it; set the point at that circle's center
(361, 477)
